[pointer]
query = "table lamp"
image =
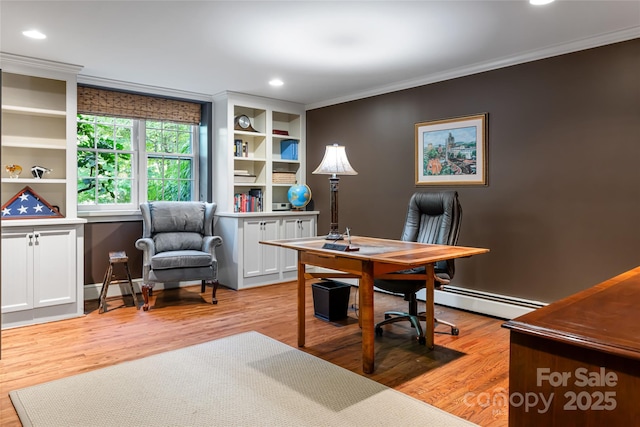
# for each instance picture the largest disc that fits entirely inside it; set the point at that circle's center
(334, 163)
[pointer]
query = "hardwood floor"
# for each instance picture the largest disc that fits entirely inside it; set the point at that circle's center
(465, 375)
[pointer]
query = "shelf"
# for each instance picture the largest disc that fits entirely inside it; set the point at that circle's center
(252, 134)
(34, 142)
(289, 162)
(30, 111)
(250, 159)
(33, 181)
(7, 223)
(249, 184)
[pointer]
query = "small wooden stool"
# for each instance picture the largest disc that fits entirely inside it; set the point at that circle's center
(119, 257)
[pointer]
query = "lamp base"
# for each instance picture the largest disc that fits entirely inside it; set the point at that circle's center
(334, 236)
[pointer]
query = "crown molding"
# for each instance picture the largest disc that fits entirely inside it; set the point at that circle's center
(534, 55)
(25, 64)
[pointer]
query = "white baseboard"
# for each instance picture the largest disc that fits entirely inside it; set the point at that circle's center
(92, 291)
(487, 303)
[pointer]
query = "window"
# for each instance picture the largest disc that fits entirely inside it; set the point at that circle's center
(123, 162)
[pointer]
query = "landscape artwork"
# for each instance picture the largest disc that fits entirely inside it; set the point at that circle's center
(451, 151)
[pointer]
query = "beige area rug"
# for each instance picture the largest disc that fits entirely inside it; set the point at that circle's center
(242, 380)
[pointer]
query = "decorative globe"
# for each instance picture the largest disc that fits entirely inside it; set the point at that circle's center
(299, 196)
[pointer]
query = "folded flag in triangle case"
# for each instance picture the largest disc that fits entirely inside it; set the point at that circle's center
(27, 204)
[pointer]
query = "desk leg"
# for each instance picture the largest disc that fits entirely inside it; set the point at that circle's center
(301, 301)
(430, 312)
(366, 317)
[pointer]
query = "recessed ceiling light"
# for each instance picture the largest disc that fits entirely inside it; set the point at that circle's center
(34, 34)
(276, 82)
(540, 2)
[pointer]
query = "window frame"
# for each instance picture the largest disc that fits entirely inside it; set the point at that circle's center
(139, 172)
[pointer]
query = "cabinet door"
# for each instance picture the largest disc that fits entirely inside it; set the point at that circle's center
(260, 259)
(17, 270)
(54, 257)
(270, 258)
(294, 228)
(290, 231)
(252, 251)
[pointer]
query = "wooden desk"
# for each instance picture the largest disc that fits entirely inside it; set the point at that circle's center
(374, 258)
(583, 355)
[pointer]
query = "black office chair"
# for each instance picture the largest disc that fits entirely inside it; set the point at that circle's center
(431, 218)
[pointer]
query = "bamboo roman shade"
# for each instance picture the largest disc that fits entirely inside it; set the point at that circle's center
(103, 102)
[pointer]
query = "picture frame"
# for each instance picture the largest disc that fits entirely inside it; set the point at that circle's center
(452, 151)
(27, 204)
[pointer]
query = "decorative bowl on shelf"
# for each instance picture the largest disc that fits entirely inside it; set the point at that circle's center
(299, 196)
(14, 171)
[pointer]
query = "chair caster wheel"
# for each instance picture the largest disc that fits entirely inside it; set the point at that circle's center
(378, 332)
(422, 341)
(455, 331)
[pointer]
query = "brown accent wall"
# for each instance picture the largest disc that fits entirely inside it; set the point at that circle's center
(104, 237)
(561, 210)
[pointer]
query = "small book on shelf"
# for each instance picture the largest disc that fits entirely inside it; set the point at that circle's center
(237, 148)
(248, 202)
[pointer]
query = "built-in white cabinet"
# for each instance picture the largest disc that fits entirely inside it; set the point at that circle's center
(292, 228)
(260, 259)
(259, 151)
(244, 262)
(38, 267)
(42, 257)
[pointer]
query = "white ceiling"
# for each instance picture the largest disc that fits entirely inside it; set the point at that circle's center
(325, 51)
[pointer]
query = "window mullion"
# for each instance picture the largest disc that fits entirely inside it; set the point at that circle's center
(139, 135)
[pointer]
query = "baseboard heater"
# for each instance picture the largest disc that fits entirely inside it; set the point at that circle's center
(494, 297)
(502, 306)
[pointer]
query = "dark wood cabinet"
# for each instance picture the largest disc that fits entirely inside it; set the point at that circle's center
(577, 361)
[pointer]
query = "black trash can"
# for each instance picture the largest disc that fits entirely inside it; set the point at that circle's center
(331, 299)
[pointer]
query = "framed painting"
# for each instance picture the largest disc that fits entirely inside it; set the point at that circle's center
(452, 151)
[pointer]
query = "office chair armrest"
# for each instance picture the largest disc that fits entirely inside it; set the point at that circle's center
(440, 282)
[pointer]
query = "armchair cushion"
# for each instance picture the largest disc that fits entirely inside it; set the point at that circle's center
(180, 259)
(177, 241)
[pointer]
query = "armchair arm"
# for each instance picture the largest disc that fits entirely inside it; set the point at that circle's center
(148, 248)
(209, 243)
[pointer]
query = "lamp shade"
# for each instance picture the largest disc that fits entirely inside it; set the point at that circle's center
(335, 162)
